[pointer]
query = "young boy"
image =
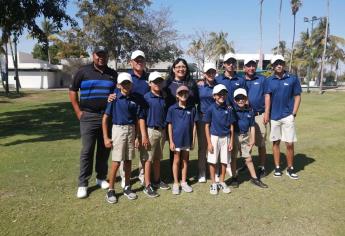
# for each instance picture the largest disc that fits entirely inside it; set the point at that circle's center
(244, 127)
(126, 114)
(181, 120)
(155, 121)
(219, 129)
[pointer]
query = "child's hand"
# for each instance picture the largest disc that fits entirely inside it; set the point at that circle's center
(111, 97)
(230, 147)
(172, 146)
(210, 148)
(251, 144)
(145, 142)
(108, 143)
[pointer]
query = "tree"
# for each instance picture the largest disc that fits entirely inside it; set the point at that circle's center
(324, 48)
(17, 15)
(260, 24)
(279, 20)
(280, 49)
(219, 45)
(295, 5)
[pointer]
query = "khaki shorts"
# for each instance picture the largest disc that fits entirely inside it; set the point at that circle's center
(220, 149)
(243, 140)
(260, 131)
(123, 137)
(155, 152)
(283, 129)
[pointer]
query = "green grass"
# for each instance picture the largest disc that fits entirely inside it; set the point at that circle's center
(39, 155)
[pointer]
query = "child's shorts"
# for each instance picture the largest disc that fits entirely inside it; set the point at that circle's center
(155, 151)
(243, 140)
(220, 149)
(123, 137)
(179, 149)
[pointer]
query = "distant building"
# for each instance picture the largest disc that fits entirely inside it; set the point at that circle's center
(242, 56)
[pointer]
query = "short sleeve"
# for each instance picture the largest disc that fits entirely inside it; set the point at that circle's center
(252, 119)
(208, 115)
(268, 89)
(76, 81)
(169, 115)
(297, 89)
(233, 116)
(109, 108)
(195, 115)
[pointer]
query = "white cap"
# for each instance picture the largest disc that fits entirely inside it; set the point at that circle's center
(218, 88)
(240, 91)
(276, 58)
(155, 75)
(137, 53)
(123, 77)
(249, 59)
(228, 56)
(209, 66)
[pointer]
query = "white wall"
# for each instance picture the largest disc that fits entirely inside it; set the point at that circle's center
(35, 79)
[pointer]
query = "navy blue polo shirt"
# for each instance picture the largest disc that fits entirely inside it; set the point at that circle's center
(95, 87)
(140, 85)
(125, 110)
(155, 110)
(220, 118)
(245, 119)
(231, 84)
(205, 96)
(256, 88)
(282, 93)
(182, 121)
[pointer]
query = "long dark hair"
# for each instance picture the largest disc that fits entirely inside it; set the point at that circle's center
(171, 72)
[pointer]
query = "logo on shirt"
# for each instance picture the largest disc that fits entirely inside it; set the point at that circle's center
(249, 116)
(286, 84)
(256, 83)
(188, 112)
(132, 103)
(226, 112)
(237, 84)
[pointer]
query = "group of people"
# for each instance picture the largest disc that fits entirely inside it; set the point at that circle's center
(228, 114)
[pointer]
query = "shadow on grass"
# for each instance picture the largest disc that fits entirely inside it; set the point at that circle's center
(14, 95)
(50, 122)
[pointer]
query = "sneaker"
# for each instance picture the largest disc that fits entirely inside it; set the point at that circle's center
(261, 172)
(214, 189)
(123, 183)
(150, 192)
(217, 178)
(176, 189)
(224, 187)
(102, 183)
(202, 179)
(161, 185)
(129, 193)
(141, 177)
(277, 172)
(82, 192)
(234, 182)
(258, 183)
(291, 173)
(110, 196)
(186, 188)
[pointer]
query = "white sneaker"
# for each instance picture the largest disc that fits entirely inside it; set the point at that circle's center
(224, 187)
(82, 192)
(186, 188)
(214, 189)
(216, 178)
(202, 179)
(141, 177)
(176, 189)
(123, 183)
(102, 183)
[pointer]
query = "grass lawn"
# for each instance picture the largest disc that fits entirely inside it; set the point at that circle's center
(39, 155)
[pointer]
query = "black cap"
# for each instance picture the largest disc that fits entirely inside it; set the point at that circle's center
(100, 49)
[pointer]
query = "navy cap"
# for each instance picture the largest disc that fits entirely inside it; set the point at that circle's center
(100, 49)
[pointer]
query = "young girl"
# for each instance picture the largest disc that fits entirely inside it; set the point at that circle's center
(181, 119)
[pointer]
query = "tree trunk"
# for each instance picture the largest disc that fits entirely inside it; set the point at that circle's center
(324, 49)
(15, 62)
(293, 41)
(279, 19)
(6, 69)
(260, 52)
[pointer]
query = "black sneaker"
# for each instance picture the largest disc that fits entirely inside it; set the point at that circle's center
(291, 173)
(261, 172)
(258, 183)
(234, 182)
(110, 196)
(129, 193)
(277, 172)
(150, 192)
(161, 185)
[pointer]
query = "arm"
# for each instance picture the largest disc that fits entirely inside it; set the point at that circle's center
(193, 138)
(252, 137)
(231, 143)
(108, 143)
(208, 138)
(297, 102)
(267, 108)
(73, 97)
(144, 137)
(171, 142)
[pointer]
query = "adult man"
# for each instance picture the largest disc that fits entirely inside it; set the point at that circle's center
(282, 100)
(94, 82)
(256, 85)
(232, 82)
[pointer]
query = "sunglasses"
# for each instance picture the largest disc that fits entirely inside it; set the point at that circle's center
(240, 97)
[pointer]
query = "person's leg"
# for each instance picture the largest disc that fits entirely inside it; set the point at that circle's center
(222, 173)
(212, 172)
(185, 159)
(102, 155)
(176, 167)
(147, 173)
(262, 155)
(289, 154)
(128, 168)
(250, 165)
(202, 149)
(276, 152)
(114, 167)
(234, 154)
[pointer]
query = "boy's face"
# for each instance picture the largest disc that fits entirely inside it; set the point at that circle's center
(240, 100)
(210, 75)
(220, 97)
(230, 65)
(156, 85)
(183, 96)
(125, 87)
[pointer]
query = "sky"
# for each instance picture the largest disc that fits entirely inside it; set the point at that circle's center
(240, 19)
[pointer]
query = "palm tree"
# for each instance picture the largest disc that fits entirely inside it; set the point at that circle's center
(218, 45)
(280, 49)
(279, 18)
(324, 48)
(295, 5)
(260, 22)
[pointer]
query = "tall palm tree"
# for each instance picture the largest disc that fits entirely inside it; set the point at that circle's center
(279, 19)
(280, 49)
(218, 45)
(260, 23)
(295, 5)
(324, 48)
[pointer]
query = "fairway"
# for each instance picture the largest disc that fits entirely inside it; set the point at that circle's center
(39, 155)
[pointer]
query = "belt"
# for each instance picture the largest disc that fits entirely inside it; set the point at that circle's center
(258, 113)
(155, 127)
